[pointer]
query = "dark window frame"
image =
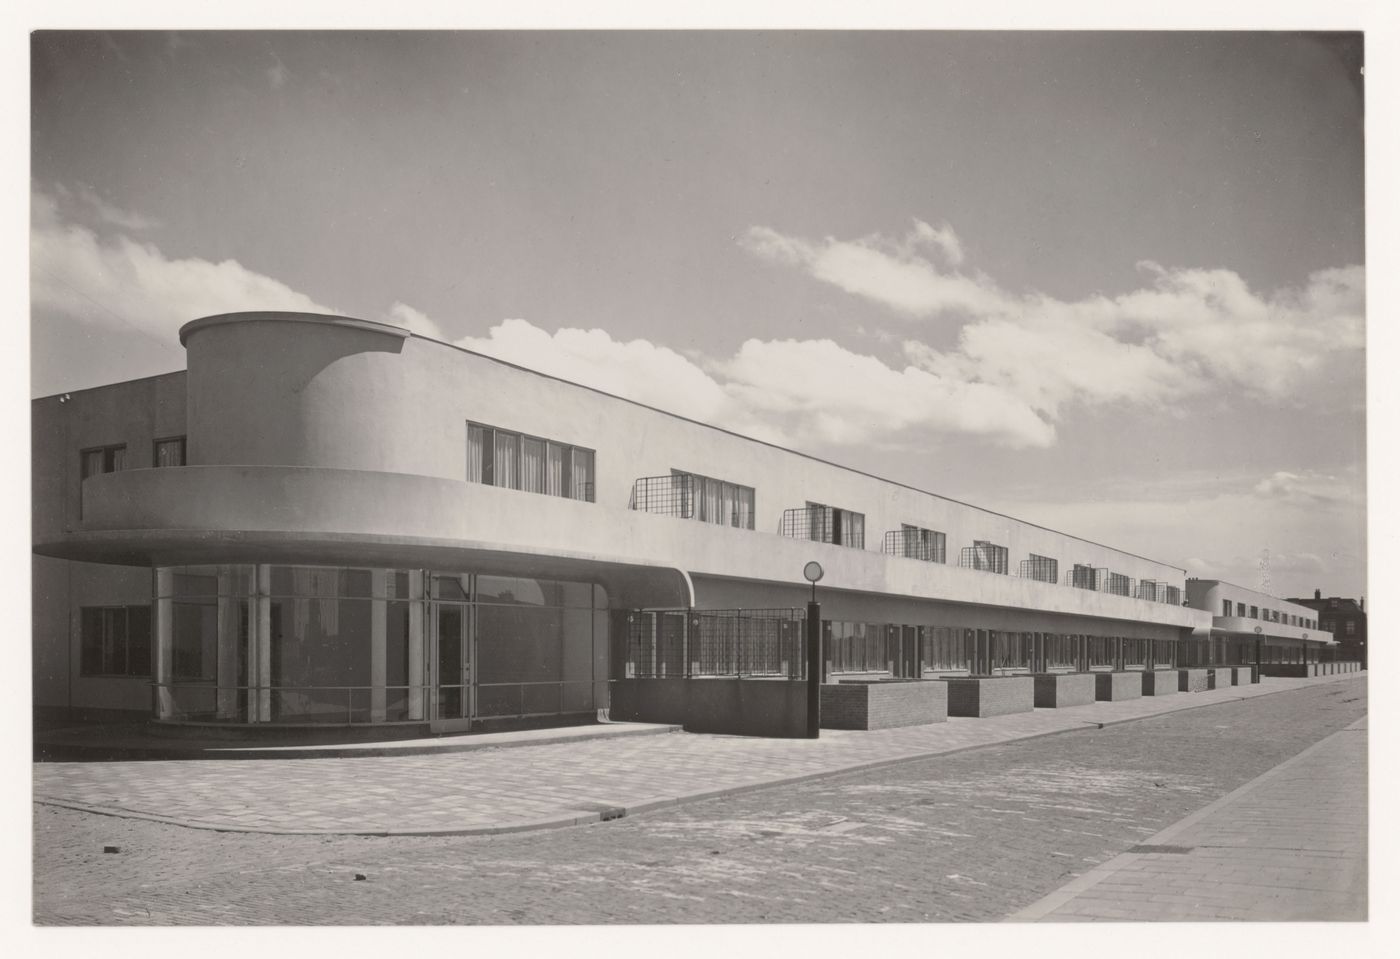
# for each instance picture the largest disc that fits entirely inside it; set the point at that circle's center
(157, 443)
(567, 455)
(103, 616)
(108, 459)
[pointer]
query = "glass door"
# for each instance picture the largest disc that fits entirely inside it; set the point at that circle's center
(453, 661)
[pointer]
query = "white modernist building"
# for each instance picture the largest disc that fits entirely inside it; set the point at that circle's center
(329, 520)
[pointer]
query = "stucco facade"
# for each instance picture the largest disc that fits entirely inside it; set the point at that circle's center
(317, 442)
(1286, 631)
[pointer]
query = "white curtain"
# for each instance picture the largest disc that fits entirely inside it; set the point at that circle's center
(581, 478)
(554, 470)
(507, 453)
(532, 465)
(476, 447)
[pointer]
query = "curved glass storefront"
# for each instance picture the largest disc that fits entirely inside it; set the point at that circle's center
(334, 645)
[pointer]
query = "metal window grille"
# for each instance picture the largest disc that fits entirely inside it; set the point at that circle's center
(672, 495)
(1119, 584)
(768, 643)
(914, 542)
(1040, 568)
(809, 522)
(985, 556)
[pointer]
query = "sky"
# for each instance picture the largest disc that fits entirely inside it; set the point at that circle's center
(1110, 283)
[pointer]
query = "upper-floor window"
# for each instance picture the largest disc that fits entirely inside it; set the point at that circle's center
(715, 501)
(1042, 568)
(1228, 610)
(103, 459)
(825, 524)
(1349, 627)
(986, 556)
(1327, 626)
(1332, 604)
(511, 460)
(170, 452)
(915, 542)
(1254, 612)
(116, 641)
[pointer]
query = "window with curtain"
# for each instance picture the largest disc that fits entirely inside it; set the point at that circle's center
(711, 508)
(507, 459)
(106, 459)
(531, 464)
(480, 447)
(581, 479)
(744, 498)
(170, 452)
(554, 470)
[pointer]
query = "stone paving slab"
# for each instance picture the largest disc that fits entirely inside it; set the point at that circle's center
(138, 742)
(544, 786)
(1290, 845)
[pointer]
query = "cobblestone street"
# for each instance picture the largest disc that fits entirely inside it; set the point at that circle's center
(972, 836)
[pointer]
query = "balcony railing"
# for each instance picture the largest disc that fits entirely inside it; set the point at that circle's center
(823, 524)
(912, 545)
(1043, 569)
(672, 495)
(987, 557)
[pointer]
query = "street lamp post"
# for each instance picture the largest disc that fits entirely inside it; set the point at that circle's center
(812, 572)
(1258, 672)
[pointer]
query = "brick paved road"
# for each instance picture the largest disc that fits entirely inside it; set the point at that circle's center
(973, 836)
(491, 790)
(1289, 845)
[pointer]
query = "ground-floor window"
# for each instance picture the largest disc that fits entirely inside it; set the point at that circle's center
(115, 641)
(312, 644)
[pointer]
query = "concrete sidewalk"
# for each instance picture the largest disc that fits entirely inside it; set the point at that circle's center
(559, 784)
(1289, 845)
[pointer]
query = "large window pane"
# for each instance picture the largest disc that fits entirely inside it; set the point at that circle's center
(532, 465)
(477, 457)
(194, 641)
(518, 644)
(554, 470)
(321, 642)
(581, 482)
(507, 459)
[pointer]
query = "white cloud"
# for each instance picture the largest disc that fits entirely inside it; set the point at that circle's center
(415, 321)
(1185, 332)
(784, 391)
(1306, 488)
(116, 216)
(77, 273)
(636, 369)
(842, 397)
(943, 239)
(889, 272)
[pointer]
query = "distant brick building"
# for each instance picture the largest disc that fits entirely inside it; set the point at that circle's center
(1345, 619)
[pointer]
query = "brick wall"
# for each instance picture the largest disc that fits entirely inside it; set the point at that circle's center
(1193, 680)
(990, 696)
(1056, 690)
(875, 705)
(1159, 682)
(1111, 687)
